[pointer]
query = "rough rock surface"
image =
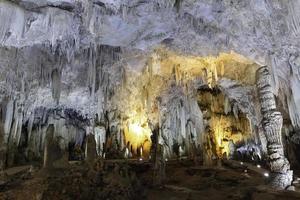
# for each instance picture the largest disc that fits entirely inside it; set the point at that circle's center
(263, 31)
(98, 64)
(281, 176)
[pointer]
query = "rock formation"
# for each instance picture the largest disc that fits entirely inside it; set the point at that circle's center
(90, 149)
(53, 154)
(118, 68)
(281, 176)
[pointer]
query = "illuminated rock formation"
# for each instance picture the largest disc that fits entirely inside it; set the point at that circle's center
(281, 176)
(123, 69)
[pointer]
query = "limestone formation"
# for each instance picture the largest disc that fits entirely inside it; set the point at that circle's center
(90, 149)
(2, 147)
(159, 166)
(52, 151)
(98, 75)
(281, 176)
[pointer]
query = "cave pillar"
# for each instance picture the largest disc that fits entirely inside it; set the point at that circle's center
(2, 146)
(281, 175)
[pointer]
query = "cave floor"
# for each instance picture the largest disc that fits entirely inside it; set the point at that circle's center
(230, 182)
(133, 180)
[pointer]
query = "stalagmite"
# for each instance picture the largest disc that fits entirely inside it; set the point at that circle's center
(158, 154)
(122, 92)
(47, 149)
(281, 176)
(90, 149)
(53, 154)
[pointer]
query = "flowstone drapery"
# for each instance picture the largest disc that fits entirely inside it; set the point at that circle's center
(281, 175)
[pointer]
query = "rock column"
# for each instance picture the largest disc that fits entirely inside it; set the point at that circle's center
(2, 147)
(281, 175)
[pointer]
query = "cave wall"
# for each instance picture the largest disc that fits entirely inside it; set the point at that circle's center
(227, 128)
(78, 55)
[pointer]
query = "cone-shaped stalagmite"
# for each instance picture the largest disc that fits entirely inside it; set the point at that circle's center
(281, 175)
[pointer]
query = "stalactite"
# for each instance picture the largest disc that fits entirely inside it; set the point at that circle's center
(227, 105)
(56, 85)
(181, 121)
(294, 18)
(272, 124)
(8, 119)
(177, 4)
(30, 125)
(20, 124)
(235, 110)
(14, 130)
(92, 70)
(293, 97)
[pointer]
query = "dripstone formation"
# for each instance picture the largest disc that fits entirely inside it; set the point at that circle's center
(281, 175)
(100, 97)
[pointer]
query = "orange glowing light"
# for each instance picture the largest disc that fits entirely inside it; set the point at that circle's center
(139, 138)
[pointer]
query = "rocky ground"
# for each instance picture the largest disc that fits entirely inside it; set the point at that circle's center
(133, 180)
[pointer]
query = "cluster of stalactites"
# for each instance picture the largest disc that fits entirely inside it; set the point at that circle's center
(69, 126)
(181, 122)
(13, 121)
(286, 83)
(294, 97)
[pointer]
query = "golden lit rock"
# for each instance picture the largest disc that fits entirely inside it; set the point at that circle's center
(138, 98)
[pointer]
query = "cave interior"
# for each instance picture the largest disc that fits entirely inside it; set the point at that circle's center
(110, 100)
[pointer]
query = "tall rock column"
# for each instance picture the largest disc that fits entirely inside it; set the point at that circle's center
(281, 175)
(2, 145)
